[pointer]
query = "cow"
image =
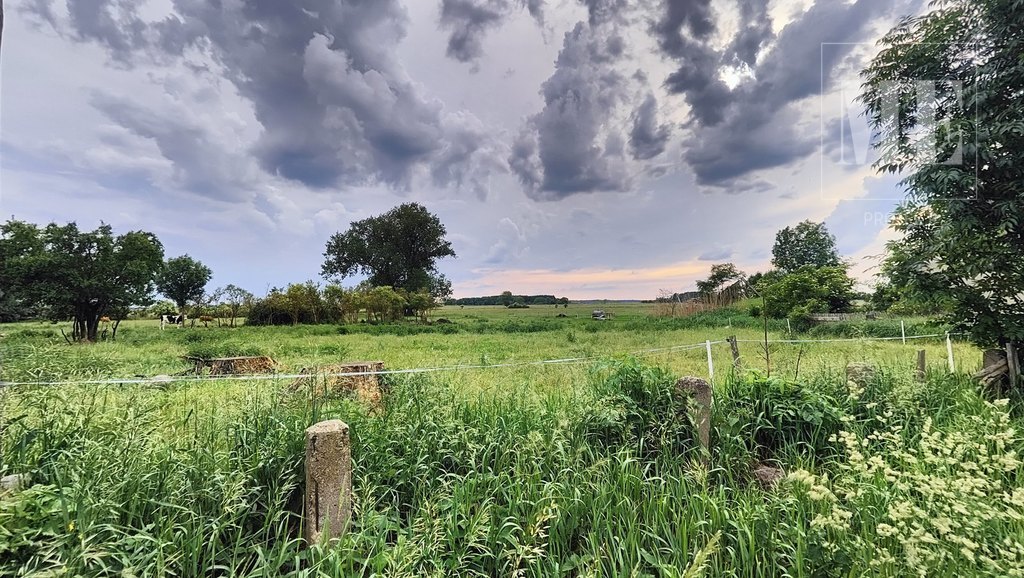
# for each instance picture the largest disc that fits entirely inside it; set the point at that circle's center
(178, 320)
(206, 320)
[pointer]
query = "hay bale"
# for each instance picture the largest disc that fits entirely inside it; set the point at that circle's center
(323, 379)
(250, 365)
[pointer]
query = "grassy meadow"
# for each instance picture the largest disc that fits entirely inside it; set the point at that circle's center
(581, 469)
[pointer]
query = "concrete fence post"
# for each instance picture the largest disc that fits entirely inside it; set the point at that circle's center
(701, 392)
(711, 363)
(328, 503)
(949, 354)
(920, 373)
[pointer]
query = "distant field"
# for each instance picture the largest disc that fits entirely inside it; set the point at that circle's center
(481, 335)
(582, 469)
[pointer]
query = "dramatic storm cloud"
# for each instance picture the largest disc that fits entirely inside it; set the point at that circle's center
(470, 20)
(578, 142)
(569, 147)
(756, 125)
(335, 104)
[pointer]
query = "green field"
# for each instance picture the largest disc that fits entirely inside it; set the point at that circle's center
(587, 468)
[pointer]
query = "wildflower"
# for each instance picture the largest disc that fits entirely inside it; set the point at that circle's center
(943, 524)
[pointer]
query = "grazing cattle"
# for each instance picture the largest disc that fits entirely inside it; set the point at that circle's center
(104, 319)
(178, 320)
(205, 320)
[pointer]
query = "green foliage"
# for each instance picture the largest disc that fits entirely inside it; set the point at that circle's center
(962, 223)
(398, 249)
(720, 276)
(82, 275)
(809, 290)
(637, 406)
(237, 301)
(183, 280)
(550, 471)
(879, 328)
(769, 417)
(806, 244)
(507, 297)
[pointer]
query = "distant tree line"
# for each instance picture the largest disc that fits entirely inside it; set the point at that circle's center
(507, 299)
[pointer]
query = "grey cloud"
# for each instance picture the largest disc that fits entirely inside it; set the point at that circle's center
(755, 33)
(566, 148)
(759, 130)
(470, 20)
(685, 32)
(202, 165)
(471, 156)
(647, 139)
(716, 254)
(336, 106)
(603, 11)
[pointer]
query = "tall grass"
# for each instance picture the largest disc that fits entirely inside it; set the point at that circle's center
(602, 478)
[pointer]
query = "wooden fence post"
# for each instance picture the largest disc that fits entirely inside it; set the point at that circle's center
(328, 504)
(920, 373)
(735, 346)
(1012, 363)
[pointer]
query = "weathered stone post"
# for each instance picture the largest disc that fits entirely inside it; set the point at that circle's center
(701, 392)
(860, 373)
(328, 505)
(920, 373)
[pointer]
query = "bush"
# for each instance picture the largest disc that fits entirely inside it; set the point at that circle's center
(769, 415)
(637, 407)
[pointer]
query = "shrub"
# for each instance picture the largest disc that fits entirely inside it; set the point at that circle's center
(637, 406)
(767, 416)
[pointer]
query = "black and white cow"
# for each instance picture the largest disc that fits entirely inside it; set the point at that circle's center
(178, 320)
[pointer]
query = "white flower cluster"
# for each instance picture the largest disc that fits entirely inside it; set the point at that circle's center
(940, 499)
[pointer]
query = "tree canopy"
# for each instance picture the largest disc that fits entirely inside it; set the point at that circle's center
(183, 280)
(721, 275)
(808, 243)
(398, 249)
(961, 144)
(83, 275)
(809, 290)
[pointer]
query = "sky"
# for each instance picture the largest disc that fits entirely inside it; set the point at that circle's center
(589, 149)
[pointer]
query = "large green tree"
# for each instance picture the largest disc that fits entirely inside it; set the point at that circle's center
(81, 275)
(809, 290)
(723, 276)
(808, 243)
(183, 280)
(398, 249)
(944, 95)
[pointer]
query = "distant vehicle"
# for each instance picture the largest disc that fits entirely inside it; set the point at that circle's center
(599, 315)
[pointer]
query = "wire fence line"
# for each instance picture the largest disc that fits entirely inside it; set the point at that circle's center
(460, 367)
